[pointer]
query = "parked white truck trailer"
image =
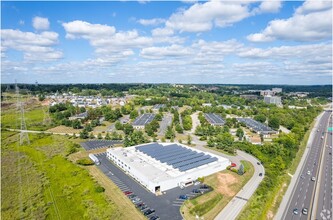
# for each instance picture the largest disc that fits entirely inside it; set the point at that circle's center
(94, 159)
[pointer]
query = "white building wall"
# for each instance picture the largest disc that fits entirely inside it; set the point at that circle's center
(188, 176)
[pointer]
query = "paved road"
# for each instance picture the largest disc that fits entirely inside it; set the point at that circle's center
(235, 206)
(323, 197)
(303, 192)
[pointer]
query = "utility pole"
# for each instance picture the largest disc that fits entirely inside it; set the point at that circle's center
(24, 137)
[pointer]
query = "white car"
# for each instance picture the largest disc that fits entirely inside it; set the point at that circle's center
(308, 172)
(313, 178)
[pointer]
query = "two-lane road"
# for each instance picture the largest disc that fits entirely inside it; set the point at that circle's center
(304, 191)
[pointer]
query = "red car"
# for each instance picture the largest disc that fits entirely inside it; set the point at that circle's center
(233, 165)
(127, 193)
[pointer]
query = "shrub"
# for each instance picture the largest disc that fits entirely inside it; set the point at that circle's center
(99, 189)
(85, 162)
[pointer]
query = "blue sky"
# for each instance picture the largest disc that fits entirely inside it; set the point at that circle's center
(246, 42)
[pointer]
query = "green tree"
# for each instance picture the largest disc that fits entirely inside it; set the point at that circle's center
(84, 134)
(118, 125)
(179, 128)
(134, 114)
(99, 136)
(240, 133)
(169, 133)
(189, 139)
(241, 169)
(274, 123)
(91, 136)
(261, 118)
(128, 129)
(107, 136)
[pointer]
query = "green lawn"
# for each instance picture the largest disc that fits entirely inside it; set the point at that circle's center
(10, 118)
(39, 182)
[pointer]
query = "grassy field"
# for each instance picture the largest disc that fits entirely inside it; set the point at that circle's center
(225, 185)
(39, 181)
(34, 116)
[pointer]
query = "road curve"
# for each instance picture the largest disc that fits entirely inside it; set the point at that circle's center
(235, 206)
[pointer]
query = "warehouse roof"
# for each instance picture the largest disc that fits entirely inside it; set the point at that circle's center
(214, 119)
(159, 167)
(256, 126)
(178, 157)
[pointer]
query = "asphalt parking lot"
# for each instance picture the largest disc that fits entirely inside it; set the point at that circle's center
(166, 121)
(95, 144)
(166, 206)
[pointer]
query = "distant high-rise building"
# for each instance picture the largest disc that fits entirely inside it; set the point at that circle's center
(273, 100)
(277, 90)
(266, 92)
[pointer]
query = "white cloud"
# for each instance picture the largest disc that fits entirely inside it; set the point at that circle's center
(269, 6)
(162, 52)
(311, 22)
(21, 22)
(154, 21)
(40, 23)
(201, 17)
(162, 32)
(34, 46)
(86, 30)
(314, 6)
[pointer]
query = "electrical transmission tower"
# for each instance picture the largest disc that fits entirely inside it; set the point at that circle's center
(47, 118)
(24, 137)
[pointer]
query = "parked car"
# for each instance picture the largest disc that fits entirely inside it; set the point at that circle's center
(204, 186)
(260, 174)
(143, 207)
(313, 178)
(233, 164)
(154, 217)
(132, 196)
(302, 176)
(295, 211)
(149, 211)
(258, 163)
(184, 197)
(196, 191)
(139, 205)
(128, 193)
(305, 211)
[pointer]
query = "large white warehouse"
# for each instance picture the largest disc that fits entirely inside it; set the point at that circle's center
(160, 167)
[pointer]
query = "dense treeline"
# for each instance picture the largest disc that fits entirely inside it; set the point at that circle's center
(165, 90)
(276, 157)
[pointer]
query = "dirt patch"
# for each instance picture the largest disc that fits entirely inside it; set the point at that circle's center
(64, 129)
(225, 181)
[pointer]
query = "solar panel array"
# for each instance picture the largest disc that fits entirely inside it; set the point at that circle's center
(214, 119)
(143, 119)
(256, 126)
(158, 106)
(178, 157)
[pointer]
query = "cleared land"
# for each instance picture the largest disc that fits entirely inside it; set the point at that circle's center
(225, 185)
